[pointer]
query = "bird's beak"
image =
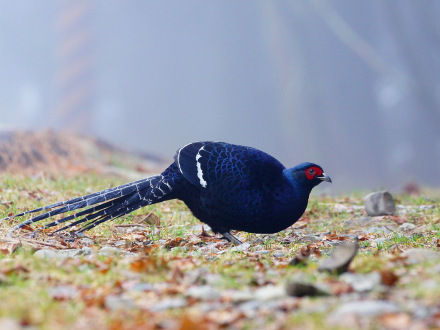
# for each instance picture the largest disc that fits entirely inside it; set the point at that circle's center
(325, 177)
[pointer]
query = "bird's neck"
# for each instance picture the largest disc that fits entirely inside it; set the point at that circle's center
(297, 189)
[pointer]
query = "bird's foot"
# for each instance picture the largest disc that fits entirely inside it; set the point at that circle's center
(231, 238)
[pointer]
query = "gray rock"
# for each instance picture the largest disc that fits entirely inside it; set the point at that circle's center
(62, 292)
(377, 229)
(262, 252)
(241, 247)
(366, 308)
(420, 255)
(340, 258)
(297, 289)
(204, 292)
(278, 254)
(143, 287)
(116, 302)
(8, 323)
(359, 222)
(109, 251)
(171, 303)
(62, 254)
(240, 296)
(362, 282)
(270, 292)
(379, 203)
(406, 226)
(307, 239)
(86, 241)
(380, 240)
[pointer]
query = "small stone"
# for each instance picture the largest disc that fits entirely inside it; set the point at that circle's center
(143, 287)
(116, 302)
(109, 251)
(417, 255)
(297, 289)
(307, 239)
(379, 203)
(63, 292)
(380, 240)
(407, 226)
(270, 292)
(362, 282)
(278, 254)
(340, 258)
(240, 296)
(204, 292)
(366, 308)
(11, 324)
(86, 241)
(135, 229)
(241, 247)
(60, 254)
(376, 230)
(169, 304)
(262, 252)
(359, 222)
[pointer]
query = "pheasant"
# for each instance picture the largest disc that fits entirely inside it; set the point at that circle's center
(227, 186)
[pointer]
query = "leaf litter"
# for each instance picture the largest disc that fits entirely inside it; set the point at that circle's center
(161, 269)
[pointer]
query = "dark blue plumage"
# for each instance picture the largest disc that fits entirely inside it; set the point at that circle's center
(225, 186)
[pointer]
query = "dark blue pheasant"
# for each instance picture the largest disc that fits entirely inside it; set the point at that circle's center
(225, 186)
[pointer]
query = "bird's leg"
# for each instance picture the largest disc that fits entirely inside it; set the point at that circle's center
(231, 238)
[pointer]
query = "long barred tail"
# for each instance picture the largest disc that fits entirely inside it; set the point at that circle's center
(103, 205)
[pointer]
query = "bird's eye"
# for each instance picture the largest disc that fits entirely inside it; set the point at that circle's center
(311, 171)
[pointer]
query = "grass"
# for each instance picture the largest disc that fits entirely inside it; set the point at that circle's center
(172, 258)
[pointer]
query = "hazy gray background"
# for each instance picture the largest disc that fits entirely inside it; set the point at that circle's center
(351, 85)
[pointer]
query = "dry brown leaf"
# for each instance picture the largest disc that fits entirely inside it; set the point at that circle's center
(7, 248)
(388, 277)
(395, 321)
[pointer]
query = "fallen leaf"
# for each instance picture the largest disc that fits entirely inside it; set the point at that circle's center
(388, 277)
(395, 321)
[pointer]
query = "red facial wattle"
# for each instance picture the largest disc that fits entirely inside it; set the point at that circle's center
(313, 172)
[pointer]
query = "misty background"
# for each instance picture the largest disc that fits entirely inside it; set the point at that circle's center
(351, 85)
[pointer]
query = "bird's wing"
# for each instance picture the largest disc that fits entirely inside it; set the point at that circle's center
(231, 166)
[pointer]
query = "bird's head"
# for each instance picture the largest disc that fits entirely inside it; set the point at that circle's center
(309, 174)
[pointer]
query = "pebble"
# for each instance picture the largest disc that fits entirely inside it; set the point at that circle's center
(170, 303)
(11, 324)
(116, 302)
(262, 252)
(63, 292)
(270, 292)
(297, 289)
(307, 239)
(63, 254)
(362, 282)
(377, 229)
(366, 308)
(406, 226)
(278, 254)
(379, 203)
(340, 258)
(417, 255)
(204, 292)
(241, 247)
(359, 222)
(86, 241)
(109, 251)
(380, 240)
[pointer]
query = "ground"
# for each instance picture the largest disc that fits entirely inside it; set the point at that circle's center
(160, 268)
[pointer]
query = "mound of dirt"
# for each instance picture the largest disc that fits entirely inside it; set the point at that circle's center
(32, 152)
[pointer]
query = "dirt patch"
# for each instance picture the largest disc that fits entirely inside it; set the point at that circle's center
(31, 152)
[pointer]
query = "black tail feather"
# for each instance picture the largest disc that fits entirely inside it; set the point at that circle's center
(106, 192)
(115, 202)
